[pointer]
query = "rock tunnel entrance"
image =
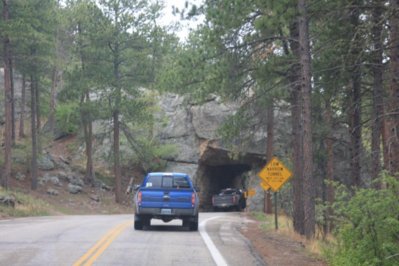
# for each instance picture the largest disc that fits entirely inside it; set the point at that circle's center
(217, 170)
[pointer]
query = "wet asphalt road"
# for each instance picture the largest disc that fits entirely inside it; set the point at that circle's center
(111, 240)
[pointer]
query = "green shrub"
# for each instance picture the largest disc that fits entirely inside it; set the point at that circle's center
(367, 229)
(68, 117)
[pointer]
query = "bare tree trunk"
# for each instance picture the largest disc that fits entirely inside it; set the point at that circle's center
(7, 103)
(38, 115)
(86, 119)
(306, 119)
(88, 136)
(12, 102)
(297, 136)
(378, 92)
(22, 114)
(269, 153)
(393, 103)
(329, 142)
(355, 127)
(53, 94)
(33, 106)
(117, 169)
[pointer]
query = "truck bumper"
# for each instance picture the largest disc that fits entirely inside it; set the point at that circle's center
(158, 212)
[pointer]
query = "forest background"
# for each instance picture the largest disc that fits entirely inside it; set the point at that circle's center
(333, 64)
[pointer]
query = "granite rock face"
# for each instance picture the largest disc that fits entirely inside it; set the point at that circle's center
(193, 129)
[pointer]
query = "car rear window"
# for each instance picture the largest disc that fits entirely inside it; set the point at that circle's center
(227, 192)
(159, 181)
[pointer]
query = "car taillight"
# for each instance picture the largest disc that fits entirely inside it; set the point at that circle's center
(193, 199)
(139, 198)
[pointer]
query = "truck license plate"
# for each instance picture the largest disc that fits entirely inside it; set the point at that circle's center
(166, 211)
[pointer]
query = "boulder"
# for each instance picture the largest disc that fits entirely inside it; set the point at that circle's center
(8, 200)
(52, 192)
(74, 189)
(47, 178)
(45, 162)
(20, 177)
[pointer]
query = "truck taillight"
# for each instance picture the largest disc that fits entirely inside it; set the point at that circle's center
(193, 199)
(139, 198)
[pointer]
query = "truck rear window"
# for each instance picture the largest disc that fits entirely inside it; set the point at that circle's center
(167, 182)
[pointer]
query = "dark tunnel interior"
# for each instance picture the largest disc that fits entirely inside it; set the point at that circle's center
(217, 177)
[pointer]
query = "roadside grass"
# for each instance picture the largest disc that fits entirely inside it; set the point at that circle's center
(315, 246)
(25, 205)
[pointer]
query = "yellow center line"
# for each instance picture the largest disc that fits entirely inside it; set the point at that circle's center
(93, 253)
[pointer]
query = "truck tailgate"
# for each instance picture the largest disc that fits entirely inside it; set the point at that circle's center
(172, 198)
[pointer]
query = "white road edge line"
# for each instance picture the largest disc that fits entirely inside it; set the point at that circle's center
(217, 257)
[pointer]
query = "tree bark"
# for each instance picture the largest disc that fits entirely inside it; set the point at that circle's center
(117, 87)
(22, 106)
(269, 153)
(12, 101)
(7, 103)
(117, 169)
(53, 95)
(329, 142)
(393, 102)
(378, 92)
(355, 127)
(297, 136)
(88, 136)
(86, 118)
(306, 89)
(38, 113)
(33, 107)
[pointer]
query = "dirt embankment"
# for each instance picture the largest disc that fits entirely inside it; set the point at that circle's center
(277, 249)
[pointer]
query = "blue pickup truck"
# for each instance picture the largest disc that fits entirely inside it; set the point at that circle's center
(166, 196)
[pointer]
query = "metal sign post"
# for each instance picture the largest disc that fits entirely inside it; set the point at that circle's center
(275, 210)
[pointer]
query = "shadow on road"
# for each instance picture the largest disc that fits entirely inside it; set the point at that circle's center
(166, 228)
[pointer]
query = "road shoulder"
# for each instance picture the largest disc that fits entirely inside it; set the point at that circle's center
(278, 249)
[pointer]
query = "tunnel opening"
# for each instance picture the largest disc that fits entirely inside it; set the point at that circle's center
(217, 177)
(217, 170)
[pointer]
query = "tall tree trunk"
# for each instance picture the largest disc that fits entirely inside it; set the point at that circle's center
(88, 136)
(269, 152)
(329, 142)
(297, 136)
(116, 110)
(86, 119)
(378, 93)
(53, 94)
(12, 101)
(38, 113)
(33, 106)
(7, 103)
(22, 107)
(393, 103)
(306, 119)
(355, 126)
(117, 169)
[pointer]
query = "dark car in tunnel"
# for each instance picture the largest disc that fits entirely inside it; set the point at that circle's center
(229, 199)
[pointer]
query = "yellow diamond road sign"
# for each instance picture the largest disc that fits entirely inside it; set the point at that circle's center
(275, 174)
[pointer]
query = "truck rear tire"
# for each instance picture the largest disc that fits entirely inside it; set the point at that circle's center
(138, 225)
(193, 226)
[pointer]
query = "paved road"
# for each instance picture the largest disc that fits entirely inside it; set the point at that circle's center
(111, 240)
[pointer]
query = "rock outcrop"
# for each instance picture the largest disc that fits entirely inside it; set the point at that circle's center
(193, 129)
